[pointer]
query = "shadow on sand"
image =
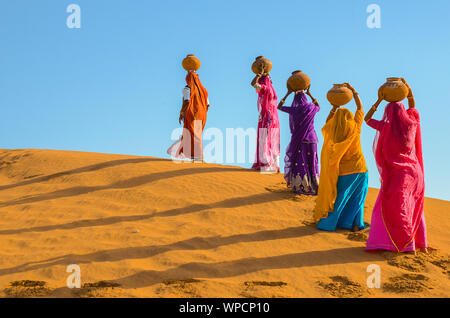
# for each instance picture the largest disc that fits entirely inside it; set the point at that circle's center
(196, 243)
(90, 168)
(247, 265)
(130, 183)
(228, 203)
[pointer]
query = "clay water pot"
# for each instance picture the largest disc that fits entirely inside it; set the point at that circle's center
(339, 95)
(258, 64)
(298, 81)
(394, 90)
(191, 63)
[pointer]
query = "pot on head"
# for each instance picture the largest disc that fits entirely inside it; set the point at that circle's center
(261, 62)
(191, 63)
(394, 90)
(298, 81)
(339, 95)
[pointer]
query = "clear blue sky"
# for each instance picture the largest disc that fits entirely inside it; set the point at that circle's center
(115, 85)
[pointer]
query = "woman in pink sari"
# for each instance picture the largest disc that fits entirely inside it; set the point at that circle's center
(268, 142)
(398, 222)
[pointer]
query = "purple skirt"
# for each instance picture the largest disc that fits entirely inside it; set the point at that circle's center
(302, 169)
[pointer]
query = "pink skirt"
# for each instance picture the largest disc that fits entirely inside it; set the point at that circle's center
(379, 238)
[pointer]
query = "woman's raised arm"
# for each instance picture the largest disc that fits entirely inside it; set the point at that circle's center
(411, 101)
(257, 77)
(374, 108)
(315, 102)
(355, 97)
(332, 112)
(283, 100)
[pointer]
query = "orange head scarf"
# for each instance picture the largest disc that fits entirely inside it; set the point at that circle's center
(198, 102)
(343, 125)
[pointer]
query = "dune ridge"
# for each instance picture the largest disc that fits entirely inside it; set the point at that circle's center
(150, 227)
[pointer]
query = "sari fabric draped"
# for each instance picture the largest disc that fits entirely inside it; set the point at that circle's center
(339, 133)
(348, 211)
(191, 144)
(301, 166)
(398, 154)
(268, 135)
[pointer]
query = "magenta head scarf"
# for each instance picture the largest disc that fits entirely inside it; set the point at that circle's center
(266, 95)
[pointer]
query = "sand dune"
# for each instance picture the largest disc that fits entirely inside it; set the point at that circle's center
(149, 227)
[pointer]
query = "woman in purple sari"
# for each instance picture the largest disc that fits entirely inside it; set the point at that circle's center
(301, 164)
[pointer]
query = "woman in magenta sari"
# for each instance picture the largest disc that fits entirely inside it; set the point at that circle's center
(398, 222)
(268, 135)
(301, 163)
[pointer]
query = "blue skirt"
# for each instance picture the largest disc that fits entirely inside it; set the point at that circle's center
(349, 205)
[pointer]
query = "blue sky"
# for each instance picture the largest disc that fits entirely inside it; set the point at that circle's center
(114, 85)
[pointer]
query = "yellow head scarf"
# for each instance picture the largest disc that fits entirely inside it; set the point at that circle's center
(339, 133)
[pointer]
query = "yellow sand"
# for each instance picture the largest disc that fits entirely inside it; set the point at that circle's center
(165, 229)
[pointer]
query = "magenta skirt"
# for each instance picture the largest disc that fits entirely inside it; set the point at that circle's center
(379, 237)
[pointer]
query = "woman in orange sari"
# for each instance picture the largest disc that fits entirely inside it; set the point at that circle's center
(193, 113)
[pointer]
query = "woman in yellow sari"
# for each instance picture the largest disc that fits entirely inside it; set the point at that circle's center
(343, 182)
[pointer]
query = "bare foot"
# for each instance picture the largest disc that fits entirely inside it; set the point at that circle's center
(356, 228)
(423, 250)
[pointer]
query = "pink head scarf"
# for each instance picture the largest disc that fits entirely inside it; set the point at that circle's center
(265, 95)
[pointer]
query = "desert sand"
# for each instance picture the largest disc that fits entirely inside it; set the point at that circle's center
(150, 227)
